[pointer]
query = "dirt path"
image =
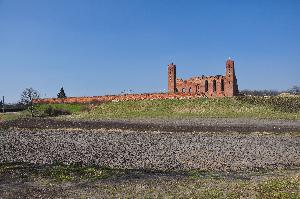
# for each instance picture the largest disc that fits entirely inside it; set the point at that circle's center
(182, 125)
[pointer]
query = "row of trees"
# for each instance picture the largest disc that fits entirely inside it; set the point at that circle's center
(295, 90)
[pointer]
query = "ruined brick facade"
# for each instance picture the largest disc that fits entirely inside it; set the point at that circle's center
(209, 86)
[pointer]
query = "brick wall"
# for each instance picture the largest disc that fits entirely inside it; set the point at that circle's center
(109, 98)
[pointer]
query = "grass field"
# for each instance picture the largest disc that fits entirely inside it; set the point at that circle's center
(40, 109)
(73, 108)
(93, 181)
(10, 116)
(239, 107)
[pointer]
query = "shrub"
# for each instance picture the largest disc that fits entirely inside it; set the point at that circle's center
(53, 112)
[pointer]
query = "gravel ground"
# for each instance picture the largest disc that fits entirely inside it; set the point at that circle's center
(152, 150)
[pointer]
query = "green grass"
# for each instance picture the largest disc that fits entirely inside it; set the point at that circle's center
(39, 111)
(73, 108)
(10, 116)
(238, 107)
(61, 173)
(93, 181)
(279, 188)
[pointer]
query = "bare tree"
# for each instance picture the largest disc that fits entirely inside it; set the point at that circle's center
(260, 92)
(294, 90)
(27, 96)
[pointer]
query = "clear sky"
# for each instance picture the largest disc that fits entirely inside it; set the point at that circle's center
(98, 47)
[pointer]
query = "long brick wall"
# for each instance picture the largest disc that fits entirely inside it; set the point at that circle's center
(110, 98)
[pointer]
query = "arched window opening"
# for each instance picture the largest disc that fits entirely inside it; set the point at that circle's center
(183, 90)
(198, 88)
(190, 90)
(206, 86)
(214, 85)
(222, 85)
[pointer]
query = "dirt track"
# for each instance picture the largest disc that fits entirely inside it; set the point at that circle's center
(192, 125)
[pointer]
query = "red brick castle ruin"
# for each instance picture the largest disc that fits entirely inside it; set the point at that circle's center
(212, 86)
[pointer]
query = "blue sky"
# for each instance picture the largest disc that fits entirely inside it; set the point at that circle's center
(97, 47)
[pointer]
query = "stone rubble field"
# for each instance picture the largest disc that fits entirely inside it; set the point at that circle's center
(129, 148)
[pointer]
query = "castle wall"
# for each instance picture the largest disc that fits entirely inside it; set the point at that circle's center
(115, 98)
(212, 86)
(197, 86)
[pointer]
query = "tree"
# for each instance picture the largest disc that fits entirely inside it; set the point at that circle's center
(2, 106)
(260, 92)
(61, 93)
(27, 96)
(294, 90)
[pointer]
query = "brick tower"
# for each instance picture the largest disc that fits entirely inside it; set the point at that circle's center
(171, 78)
(231, 88)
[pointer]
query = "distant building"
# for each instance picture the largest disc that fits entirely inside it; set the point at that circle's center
(212, 86)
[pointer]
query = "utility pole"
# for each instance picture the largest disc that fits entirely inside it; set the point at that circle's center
(3, 109)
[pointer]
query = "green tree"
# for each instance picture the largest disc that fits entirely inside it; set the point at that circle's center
(27, 96)
(61, 93)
